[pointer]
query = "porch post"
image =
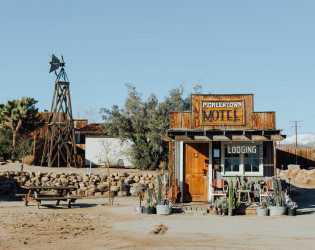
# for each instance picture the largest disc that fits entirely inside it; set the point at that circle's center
(181, 170)
(210, 172)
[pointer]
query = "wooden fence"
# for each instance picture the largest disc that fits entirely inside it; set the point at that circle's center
(303, 157)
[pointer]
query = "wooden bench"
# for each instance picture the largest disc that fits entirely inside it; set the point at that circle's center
(70, 199)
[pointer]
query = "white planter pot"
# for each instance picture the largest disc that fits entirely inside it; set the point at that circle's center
(262, 211)
(139, 210)
(163, 209)
(276, 211)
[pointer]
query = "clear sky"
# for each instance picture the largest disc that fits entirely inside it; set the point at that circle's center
(262, 47)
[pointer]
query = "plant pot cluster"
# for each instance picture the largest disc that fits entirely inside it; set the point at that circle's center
(278, 203)
(159, 206)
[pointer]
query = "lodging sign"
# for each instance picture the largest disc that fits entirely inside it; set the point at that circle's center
(227, 112)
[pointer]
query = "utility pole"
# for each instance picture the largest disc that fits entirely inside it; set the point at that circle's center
(296, 143)
(295, 126)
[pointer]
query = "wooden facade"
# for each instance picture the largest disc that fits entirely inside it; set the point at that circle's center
(219, 138)
(250, 119)
(41, 132)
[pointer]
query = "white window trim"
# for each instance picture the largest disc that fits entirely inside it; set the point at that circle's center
(242, 172)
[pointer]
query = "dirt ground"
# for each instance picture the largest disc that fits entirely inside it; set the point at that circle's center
(92, 224)
(27, 168)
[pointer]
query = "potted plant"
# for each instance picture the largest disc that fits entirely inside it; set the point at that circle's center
(139, 209)
(292, 206)
(262, 210)
(276, 202)
(162, 205)
(150, 207)
(213, 209)
(225, 207)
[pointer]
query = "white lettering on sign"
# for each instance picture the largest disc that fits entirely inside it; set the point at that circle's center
(242, 149)
(222, 104)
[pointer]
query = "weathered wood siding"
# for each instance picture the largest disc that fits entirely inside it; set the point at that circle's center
(180, 120)
(303, 157)
(264, 120)
(41, 132)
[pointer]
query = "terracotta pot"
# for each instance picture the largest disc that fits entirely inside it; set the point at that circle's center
(177, 192)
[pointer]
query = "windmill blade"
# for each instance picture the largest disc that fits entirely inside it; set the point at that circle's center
(53, 66)
(55, 59)
(49, 55)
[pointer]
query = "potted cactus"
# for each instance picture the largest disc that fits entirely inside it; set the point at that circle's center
(162, 205)
(276, 202)
(292, 206)
(150, 207)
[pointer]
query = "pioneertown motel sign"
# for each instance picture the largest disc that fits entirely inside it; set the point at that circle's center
(231, 112)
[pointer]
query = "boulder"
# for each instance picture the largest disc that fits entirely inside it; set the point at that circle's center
(45, 179)
(28, 159)
(294, 168)
(125, 187)
(103, 187)
(135, 191)
(122, 174)
(114, 188)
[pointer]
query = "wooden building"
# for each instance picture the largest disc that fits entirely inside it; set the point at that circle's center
(221, 137)
(100, 148)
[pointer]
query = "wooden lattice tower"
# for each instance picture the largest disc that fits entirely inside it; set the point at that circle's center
(60, 138)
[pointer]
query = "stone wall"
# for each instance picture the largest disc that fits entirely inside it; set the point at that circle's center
(122, 184)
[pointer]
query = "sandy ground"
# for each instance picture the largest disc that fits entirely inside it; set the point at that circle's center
(92, 224)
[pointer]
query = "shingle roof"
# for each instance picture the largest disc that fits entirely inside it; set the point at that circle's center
(92, 128)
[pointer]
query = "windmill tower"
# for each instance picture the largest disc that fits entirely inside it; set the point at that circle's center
(60, 141)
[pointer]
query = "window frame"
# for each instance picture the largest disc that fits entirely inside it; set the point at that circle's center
(241, 171)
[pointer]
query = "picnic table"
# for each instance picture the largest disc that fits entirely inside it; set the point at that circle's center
(61, 194)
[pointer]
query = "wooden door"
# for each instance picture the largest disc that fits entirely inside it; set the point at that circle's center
(196, 172)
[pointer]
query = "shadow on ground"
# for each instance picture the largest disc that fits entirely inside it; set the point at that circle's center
(306, 201)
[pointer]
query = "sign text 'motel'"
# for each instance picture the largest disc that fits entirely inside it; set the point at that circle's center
(222, 112)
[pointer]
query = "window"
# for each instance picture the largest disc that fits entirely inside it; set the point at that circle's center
(251, 161)
(232, 162)
(240, 158)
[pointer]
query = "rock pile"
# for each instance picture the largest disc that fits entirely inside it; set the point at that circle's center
(122, 184)
(298, 175)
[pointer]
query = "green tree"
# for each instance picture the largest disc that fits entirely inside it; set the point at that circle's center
(19, 117)
(144, 123)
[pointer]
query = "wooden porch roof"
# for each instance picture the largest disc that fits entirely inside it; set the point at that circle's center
(224, 135)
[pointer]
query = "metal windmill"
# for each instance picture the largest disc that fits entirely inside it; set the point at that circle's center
(60, 140)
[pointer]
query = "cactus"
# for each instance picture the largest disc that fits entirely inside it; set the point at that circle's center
(231, 198)
(282, 199)
(158, 201)
(275, 192)
(279, 194)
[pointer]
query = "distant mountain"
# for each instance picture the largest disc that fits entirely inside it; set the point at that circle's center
(304, 141)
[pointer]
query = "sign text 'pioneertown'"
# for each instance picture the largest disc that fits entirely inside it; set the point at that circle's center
(219, 112)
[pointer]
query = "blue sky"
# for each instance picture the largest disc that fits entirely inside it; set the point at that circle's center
(262, 47)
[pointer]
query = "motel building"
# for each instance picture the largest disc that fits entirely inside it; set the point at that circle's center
(221, 137)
